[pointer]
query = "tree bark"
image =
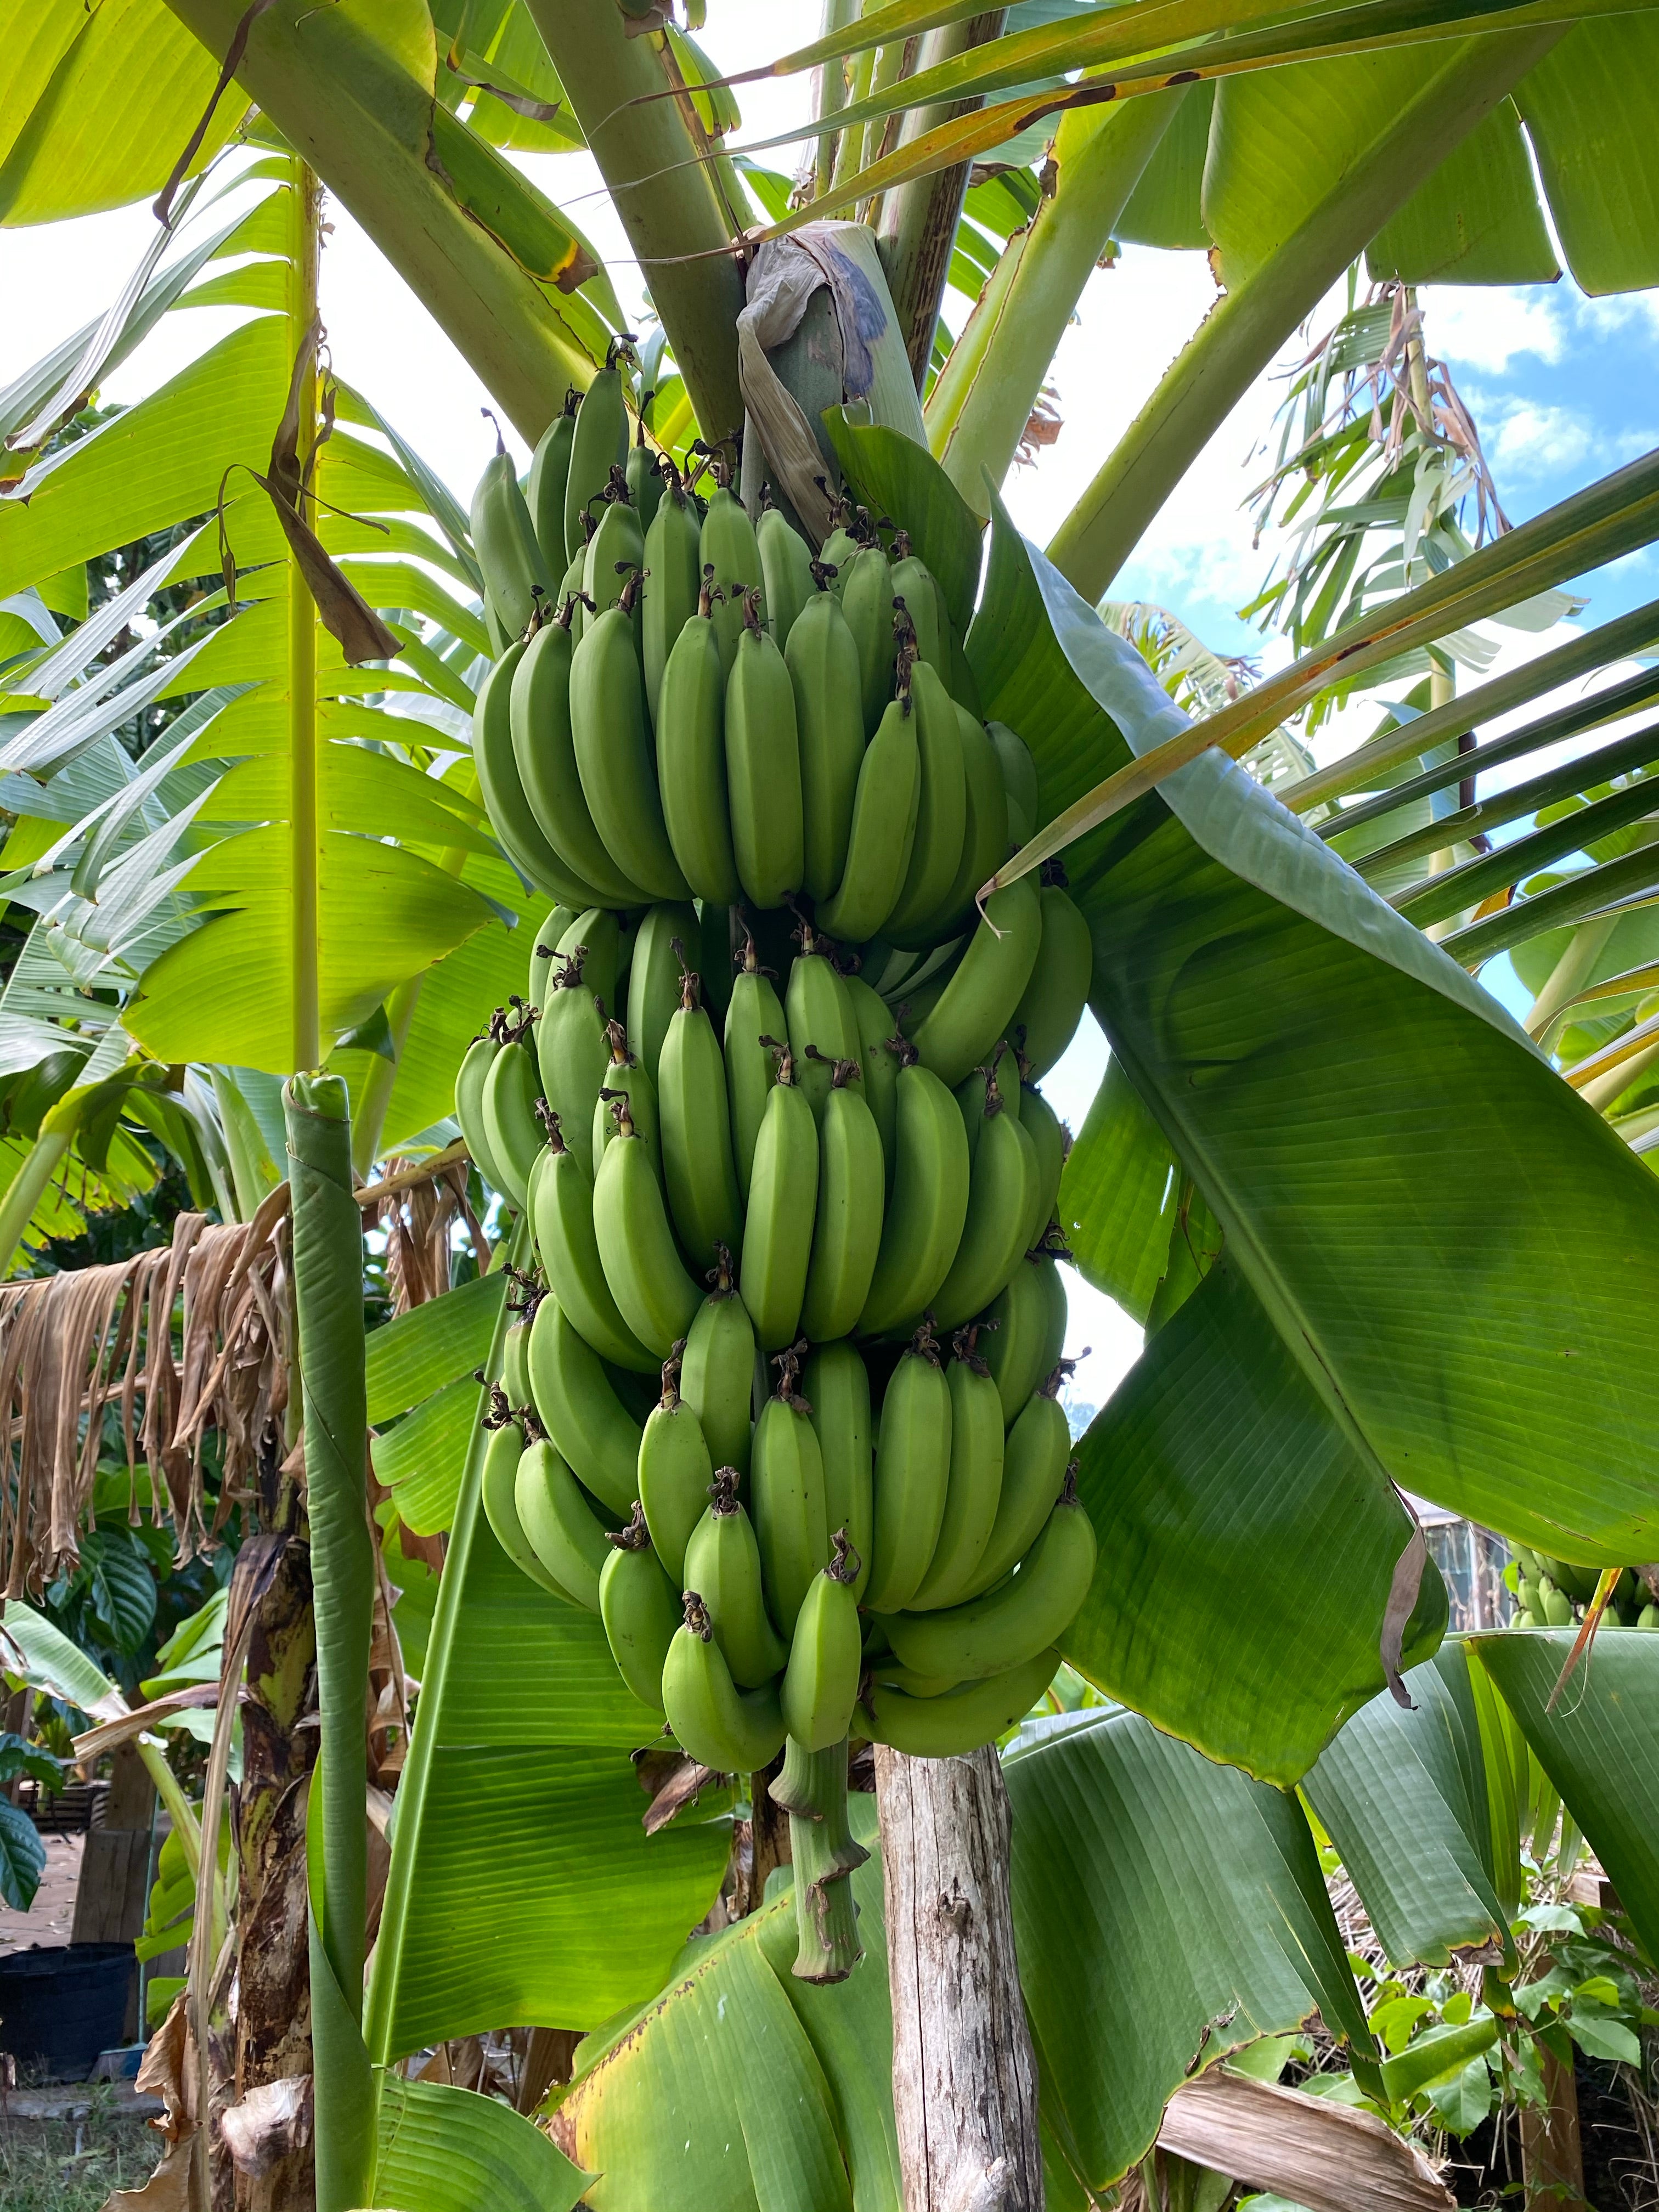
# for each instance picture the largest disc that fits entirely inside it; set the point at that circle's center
(1552, 2150)
(964, 2082)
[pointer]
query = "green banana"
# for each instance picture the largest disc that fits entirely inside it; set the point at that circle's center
(570, 608)
(941, 816)
(510, 815)
(505, 541)
(783, 1191)
(717, 1376)
(824, 1030)
(572, 1056)
(614, 751)
(656, 1296)
(821, 1681)
(762, 766)
(960, 1720)
(786, 1488)
(1034, 1463)
(625, 1079)
(924, 1214)
(469, 1080)
(715, 959)
(914, 587)
(499, 640)
(729, 1731)
(599, 443)
(847, 1226)
(511, 1093)
(883, 835)
(1002, 1193)
(913, 1475)
(1031, 1330)
(500, 1466)
(564, 1531)
(836, 554)
(1019, 778)
(973, 1009)
(877, 1059)
(1052, 1003)
(561, 1201)
(549, 473)
(544, 946)
(1018, 1619)
(974, 1094)
(645, 477)
(728, 546)
(698, 1166)
(867, 600)
(579, 1408)
(690, 717)
(975, 1487)
(822, 657)
(723, 1565)
(655, 980)
(641, 1610)
(604, 945)
(785, 573)
(615, 551)
(673, 578)
(675, 1472)
(985, 832)
(752, 1013)
(838, 1386)
(1051, 1141)
(515, 1343)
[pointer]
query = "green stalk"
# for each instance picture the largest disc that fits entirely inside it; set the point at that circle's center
(26, 1190)
(1601, 1089)
(376, 1094)
(977, 411)
(348, 108)
(1241, 335)
(649, 155)
(830, 85)
(812, 1790)
(328, 1281)
(1571, 973)
(304, 246)
(919, 219)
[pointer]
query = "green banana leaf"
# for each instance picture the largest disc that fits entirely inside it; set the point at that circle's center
(422, 1459)
(523, 1885)
(1403, 1795)
(1599, 1746)
(431, 1345)
(1118, 1196)
(442, 2149)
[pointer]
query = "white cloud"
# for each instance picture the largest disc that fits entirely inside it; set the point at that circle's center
(1485, 326)
(1528, 438)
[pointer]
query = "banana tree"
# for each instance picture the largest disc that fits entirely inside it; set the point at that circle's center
(1250, 982)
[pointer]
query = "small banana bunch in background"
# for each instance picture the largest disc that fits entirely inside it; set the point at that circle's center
(1553, 1594)
(779, 1399)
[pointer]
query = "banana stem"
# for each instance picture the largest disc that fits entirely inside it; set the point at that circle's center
(812, 1790)
(26, 1190)
(303, 254)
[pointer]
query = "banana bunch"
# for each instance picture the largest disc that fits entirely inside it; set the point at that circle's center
(1554, 1593)
(779, 1399)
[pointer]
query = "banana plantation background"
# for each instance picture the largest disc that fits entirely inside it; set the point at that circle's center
(1305, 1883)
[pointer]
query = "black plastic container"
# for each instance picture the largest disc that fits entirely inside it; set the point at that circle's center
(60, 2008)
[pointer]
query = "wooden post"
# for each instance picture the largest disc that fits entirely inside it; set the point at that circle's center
(964, 2082)
(1552, 2151)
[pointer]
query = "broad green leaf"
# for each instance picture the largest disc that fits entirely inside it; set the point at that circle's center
(1403, 1796)
(1600, 1745)
(51, 1662)
(1402, 1247)
(1590, 108)
(421, 1459)
(1475, 220)
(159, 463)
(442, 2149)
(1166, 207)
(1118, 1196)
(893, 475)
(102, 105)
(523, 1885)
(22, 1857)
(1237, 1523)
(431, 1345)
(1167, 1911)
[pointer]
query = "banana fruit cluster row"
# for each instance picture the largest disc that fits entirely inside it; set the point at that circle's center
(1553, 1594)
(780, 1399)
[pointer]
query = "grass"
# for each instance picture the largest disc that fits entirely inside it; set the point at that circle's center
(71, 2165)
